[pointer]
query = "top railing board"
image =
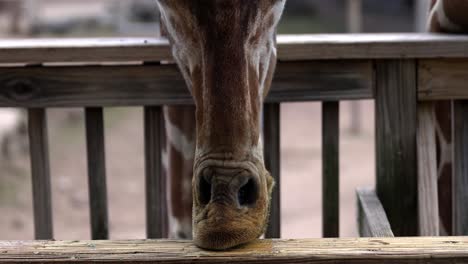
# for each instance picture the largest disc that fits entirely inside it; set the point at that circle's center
(319, 251)
(290, 47)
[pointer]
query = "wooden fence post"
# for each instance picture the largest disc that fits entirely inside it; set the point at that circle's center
(396, 103)
(156, 209)
(330, 169)
(460, 167)
(427, 171)
(272, 163)
(40, 169)
(97, 173)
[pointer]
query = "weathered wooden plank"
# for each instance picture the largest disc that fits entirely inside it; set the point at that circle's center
(371, 46)
(427, 172)
(330, 169)
(162, 84)
(443, 79)
(34, 51)
(372, 220)
(396, 162)
(40, 169)
(318, 251)
(92, 86)
(332, 80)
(460, 167)
(156, 208)
(272, 152)
(97, 173)
(290, 47)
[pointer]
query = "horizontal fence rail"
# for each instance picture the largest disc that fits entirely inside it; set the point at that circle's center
(317, 251)
(137, 85)
(290, 47)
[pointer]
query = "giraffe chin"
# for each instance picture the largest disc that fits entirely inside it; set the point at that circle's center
(218, 226)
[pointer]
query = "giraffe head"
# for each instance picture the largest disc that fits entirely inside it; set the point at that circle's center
(226, 52)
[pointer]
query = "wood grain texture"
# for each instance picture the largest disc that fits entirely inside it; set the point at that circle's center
(332, 80)
(162, 84)
(91, 86)
(331, 169)
(396, 160)
(40, 169)
(460, 167)
(97, 187)
(372, 219)
(428, 201)
(290, 47)
(156, 208)
(371, 46)
(37, 51)
(318, 251)
(272, 153)
(443, 79)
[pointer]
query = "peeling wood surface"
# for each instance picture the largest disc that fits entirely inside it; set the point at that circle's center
(363, 250)
(290, 47)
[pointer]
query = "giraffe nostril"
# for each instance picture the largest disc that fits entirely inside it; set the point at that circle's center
(204, 191)
(248, 193)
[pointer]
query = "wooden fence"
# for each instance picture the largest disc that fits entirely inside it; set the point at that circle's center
(403, 73)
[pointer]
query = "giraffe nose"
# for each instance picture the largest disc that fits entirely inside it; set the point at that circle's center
(228, 187)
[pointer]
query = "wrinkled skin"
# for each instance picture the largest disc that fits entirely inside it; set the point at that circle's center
(226, 52)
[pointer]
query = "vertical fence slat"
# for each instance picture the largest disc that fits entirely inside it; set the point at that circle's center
(156, 208)
(97, 173)
(460, 167)
(40, 169)
(330, 169)
(396, 120)
(272, 163)
(427, 171)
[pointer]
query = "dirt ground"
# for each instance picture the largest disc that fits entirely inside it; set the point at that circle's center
(300, 168)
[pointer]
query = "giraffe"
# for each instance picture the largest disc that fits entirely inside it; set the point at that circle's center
(226, 52)
(446, 16)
